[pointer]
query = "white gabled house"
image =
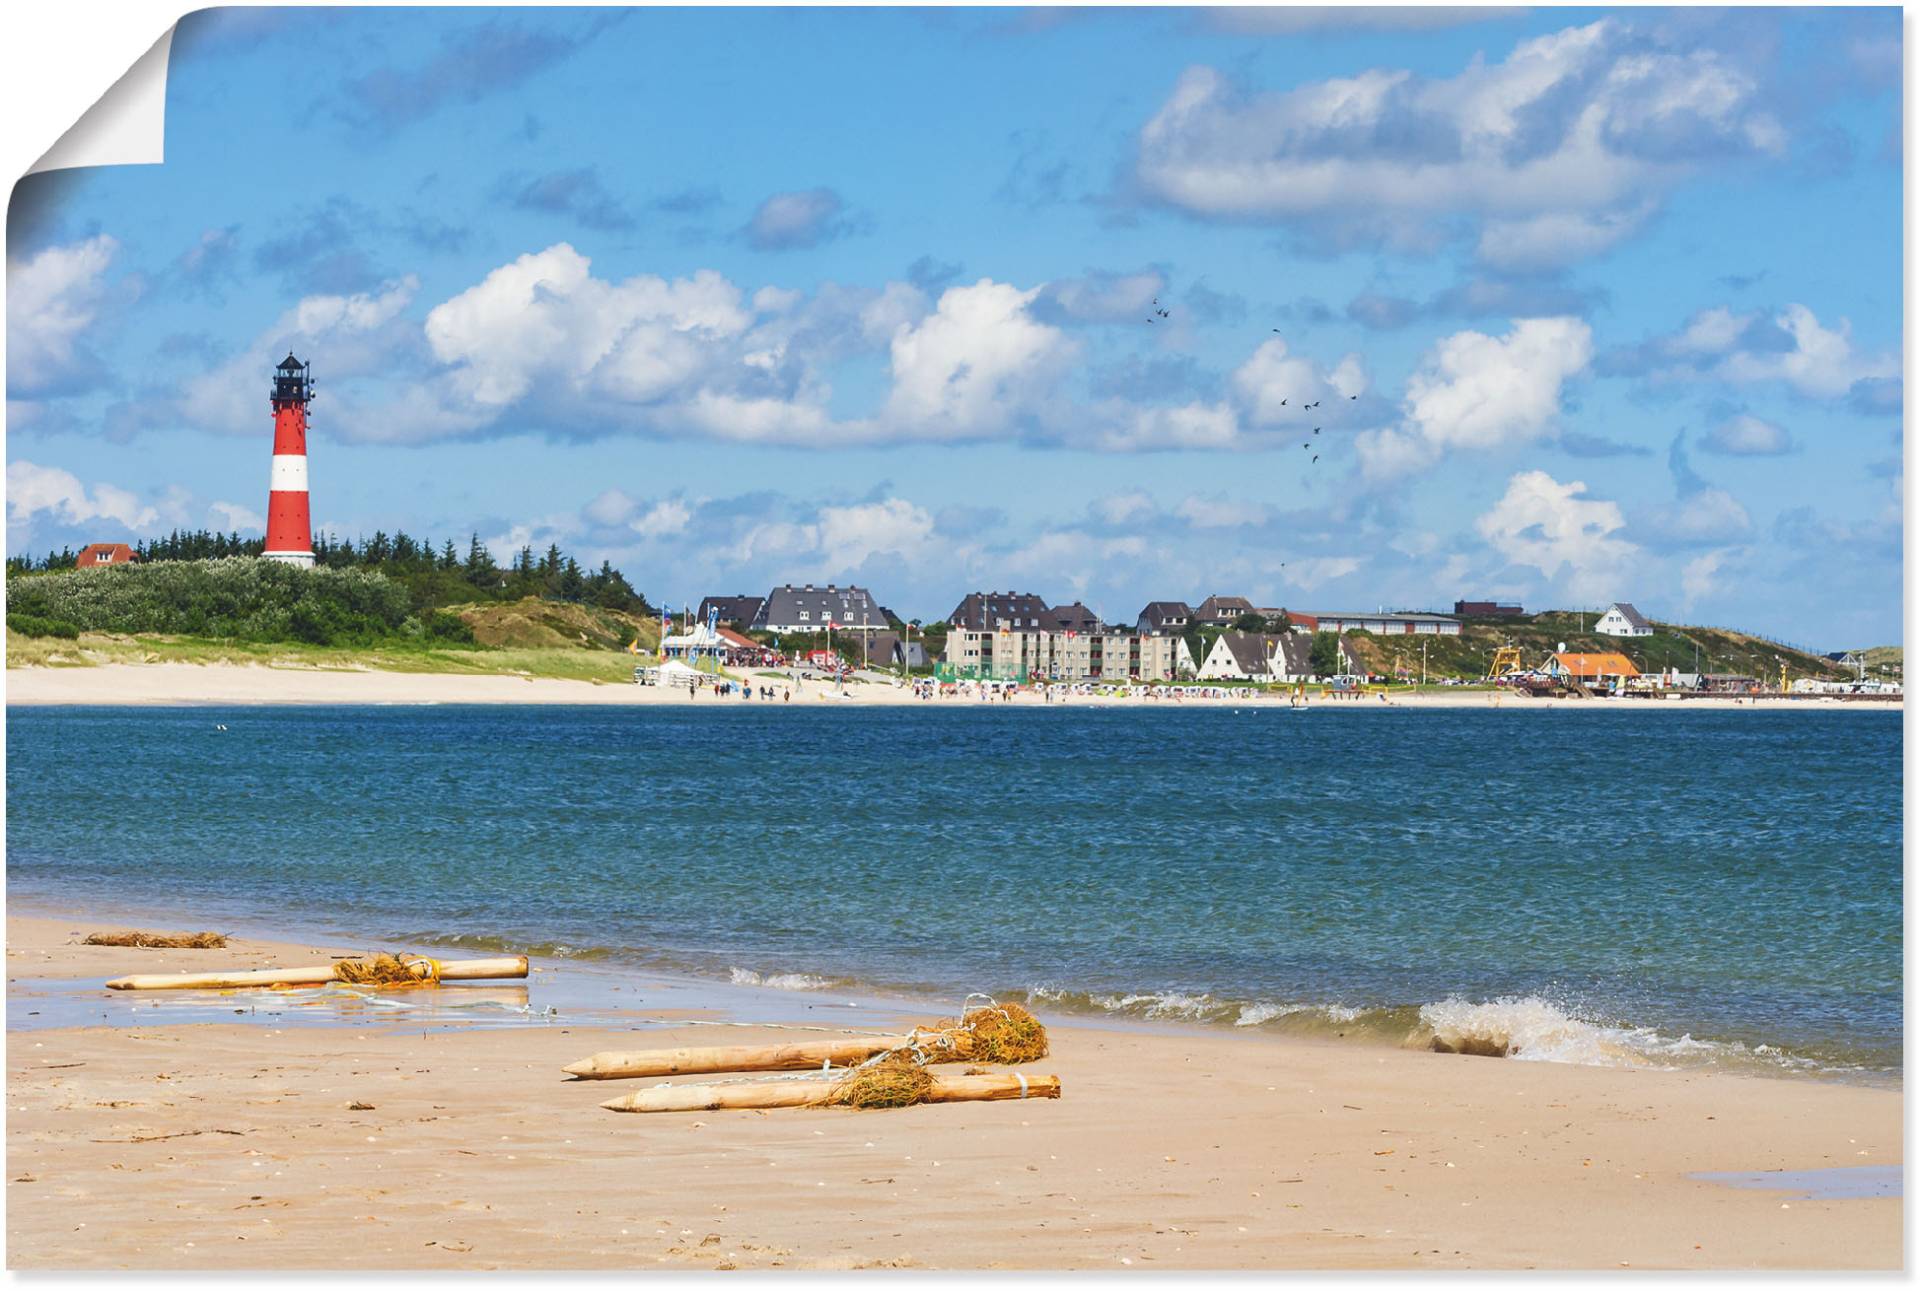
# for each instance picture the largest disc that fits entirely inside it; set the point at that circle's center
(1237, 656)
(1622, 620)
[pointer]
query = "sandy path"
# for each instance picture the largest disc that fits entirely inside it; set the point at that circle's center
(232, 1146)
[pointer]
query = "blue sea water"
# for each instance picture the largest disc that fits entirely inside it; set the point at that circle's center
(1633, 887)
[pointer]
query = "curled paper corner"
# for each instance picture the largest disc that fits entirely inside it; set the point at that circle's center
(126, 126)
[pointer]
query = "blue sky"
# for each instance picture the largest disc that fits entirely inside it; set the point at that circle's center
(1593, 304)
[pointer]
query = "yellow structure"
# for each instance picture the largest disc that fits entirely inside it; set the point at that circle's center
(1506, 660)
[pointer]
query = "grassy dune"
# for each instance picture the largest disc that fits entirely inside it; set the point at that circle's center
(95, 648)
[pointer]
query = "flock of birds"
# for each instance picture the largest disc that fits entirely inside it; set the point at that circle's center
(1159, 313)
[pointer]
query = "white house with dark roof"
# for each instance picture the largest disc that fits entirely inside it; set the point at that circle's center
(1239, 656)
(1622, 620)
(814, 609)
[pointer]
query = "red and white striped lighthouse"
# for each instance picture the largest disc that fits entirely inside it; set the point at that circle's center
(289, 534)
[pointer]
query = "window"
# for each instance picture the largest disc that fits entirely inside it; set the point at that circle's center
(803, 616)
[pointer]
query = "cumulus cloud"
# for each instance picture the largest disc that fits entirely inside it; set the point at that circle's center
(1791, 347)
(53, 299)
(976, 365)
(1565, 144)
(796, 221)
(36, 493)
(359, 334)
(1478, 392)
(1569, 537)
(1745, 435)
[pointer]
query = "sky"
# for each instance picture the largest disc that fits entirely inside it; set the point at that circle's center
(1562, 306)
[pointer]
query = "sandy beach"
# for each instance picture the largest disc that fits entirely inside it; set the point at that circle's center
(251, 1144)
(218, 684)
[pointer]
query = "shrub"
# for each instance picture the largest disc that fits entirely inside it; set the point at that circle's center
(32, 625)
(237, 598)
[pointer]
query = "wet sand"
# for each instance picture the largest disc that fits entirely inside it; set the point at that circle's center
(238, 1145)
(227, 684)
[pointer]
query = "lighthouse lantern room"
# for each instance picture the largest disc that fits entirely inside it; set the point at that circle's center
(289, 533)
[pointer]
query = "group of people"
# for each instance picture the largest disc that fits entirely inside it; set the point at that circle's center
(728, 689)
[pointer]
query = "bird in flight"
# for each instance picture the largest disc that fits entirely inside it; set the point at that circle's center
(1283, 403)
(1316, 457)
(1316, 430)
(1353, 396)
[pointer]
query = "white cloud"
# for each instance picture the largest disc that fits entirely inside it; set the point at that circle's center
(1821, 362)
(1123, 508)
(233, 517)
(1102, 297)
(342, 336)
(52, 300)
(1479, 392)
(975, 365)
(1271, 375)
(1745, 435)
(1593, 121)
(1706, 515)
(35, 491)
(1554, 239)
(1699, 577)
(1791, 347)
(1565, 535)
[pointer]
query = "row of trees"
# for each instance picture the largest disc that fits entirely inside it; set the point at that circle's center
(432, 576)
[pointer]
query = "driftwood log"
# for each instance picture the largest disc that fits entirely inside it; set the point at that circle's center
(618, 1065)
(813, 1093)
(451, 970)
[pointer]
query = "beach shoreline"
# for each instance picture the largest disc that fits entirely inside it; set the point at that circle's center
(376, 1144)
(214, 685)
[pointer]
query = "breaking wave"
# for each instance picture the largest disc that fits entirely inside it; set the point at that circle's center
(778, 981)
(1526, 1028)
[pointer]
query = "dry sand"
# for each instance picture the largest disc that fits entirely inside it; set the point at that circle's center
(237, 1146)
(215, 684)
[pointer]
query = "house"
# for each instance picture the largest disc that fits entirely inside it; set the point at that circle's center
(1165, 617)
(1239, 656)
(103, 553)
(1073, 618)
(815, 609)
(888, 650)
(1487, 610)
(1590, 669)
(1383, 624)
(1622, 620)
(1292, 657)
(990, 611)
(740, 610)
(1221, 611)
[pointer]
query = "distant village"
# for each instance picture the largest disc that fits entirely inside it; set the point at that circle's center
(1018, 637)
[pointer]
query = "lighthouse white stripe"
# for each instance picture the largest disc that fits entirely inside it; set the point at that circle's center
(289, 473)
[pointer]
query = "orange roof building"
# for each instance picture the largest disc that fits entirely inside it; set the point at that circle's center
(1591, 667)
(103, 553)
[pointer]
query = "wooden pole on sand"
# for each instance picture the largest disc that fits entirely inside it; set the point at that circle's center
(813, 1093)
(616, 1065)
(452, 970)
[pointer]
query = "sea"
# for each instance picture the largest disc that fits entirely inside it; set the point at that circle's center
(1638, 888)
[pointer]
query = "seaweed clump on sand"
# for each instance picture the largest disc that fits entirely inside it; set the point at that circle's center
(158, 940)
(993, 1032)
(894, 1080)
(389, 970)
